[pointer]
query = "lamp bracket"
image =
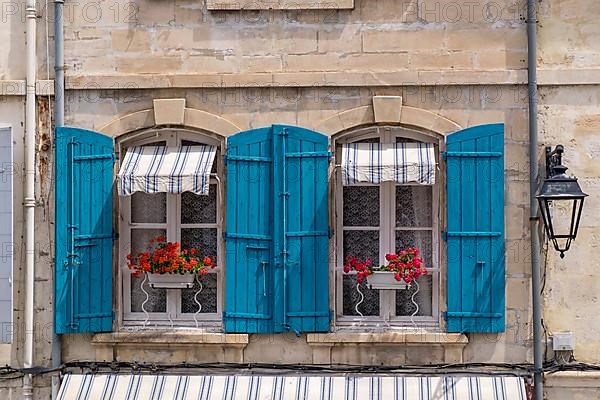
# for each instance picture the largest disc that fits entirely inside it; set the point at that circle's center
(553, 158)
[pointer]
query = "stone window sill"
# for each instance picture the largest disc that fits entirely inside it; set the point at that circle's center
(452, 343)
(215, 5)
(114, 346)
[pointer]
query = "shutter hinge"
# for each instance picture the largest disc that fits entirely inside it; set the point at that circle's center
(115, 236)
(283, 132)
(329, 156)
(445, 315)
(329, 232)
(224, 159)
(114, 157)
(330, 315)
(284, 194)
(444, 155)
(445, 236)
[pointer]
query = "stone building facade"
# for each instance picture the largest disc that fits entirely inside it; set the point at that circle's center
(430, 66)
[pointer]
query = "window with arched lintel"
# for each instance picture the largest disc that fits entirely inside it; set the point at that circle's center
(375, 219)
(194, 221)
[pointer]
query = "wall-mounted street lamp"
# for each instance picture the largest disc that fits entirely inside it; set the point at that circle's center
(560, 191)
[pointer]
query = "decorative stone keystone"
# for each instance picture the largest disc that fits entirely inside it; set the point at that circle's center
(387, 109)
(169, 111)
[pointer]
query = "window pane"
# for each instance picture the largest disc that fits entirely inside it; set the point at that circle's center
(363, 245)
(207, 297)
(418, 239)
(423, 298)
(157, 298)
(351, 297)
(199, 209)
(202, 239)
(413, 206)
(361, 205)
(149, 208)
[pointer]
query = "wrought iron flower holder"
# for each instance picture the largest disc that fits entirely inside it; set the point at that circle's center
(171, 281)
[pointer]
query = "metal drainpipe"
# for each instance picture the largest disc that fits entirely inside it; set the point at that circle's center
(533, 204)
(59, 121)
(29, 192)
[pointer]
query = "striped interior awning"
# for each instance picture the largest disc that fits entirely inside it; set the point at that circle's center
(183, 387)
(156, 169)
(388, 162)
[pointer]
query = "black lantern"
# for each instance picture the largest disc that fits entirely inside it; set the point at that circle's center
(560, 192)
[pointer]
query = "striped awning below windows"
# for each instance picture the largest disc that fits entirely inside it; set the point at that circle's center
(183, 387)
(155, 169)
(388, 162)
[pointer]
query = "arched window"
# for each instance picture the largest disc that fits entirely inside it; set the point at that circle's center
(373, 220)
(190, 219)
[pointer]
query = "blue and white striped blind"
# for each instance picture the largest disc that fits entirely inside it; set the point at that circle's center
(183, 387)
(388, 162)
(169, 169)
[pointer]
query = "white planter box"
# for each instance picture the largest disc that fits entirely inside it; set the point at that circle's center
(385, 281)
(171, 281)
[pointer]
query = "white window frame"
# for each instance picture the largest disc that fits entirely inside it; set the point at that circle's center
(173, 317)
(387, 318)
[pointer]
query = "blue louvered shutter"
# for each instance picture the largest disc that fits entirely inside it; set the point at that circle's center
(84, 231)
(301, 205)
(248, 239)
(475, 231)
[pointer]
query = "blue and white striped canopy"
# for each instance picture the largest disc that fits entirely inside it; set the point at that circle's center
(183, 387)
(388, 162)
(156, 169)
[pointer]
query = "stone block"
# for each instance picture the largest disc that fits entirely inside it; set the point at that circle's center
(252, 64)
(169, 111)
(518, 293)
(515, 222)
(423, 355)
(130, 40)
(279, 4)
(501, 59)
(387, 109)
(344, 39)
(517, 125)
(439, 61)
(516, 160)
(487, 39)
(379, 40)
(148, 65)
(517, 193)
(277, 348)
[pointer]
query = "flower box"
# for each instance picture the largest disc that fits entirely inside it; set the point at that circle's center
(385, 280)
(171, 281)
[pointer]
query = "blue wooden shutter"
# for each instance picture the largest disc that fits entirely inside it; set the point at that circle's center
(475, 232)
(248, 240)
(302, 229)
(84, 231)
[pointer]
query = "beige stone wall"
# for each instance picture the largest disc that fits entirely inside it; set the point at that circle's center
(571, 116)
(144, 37)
